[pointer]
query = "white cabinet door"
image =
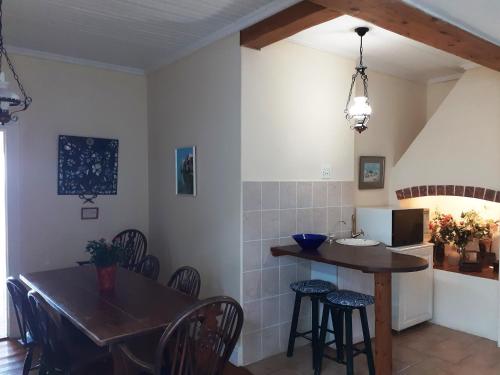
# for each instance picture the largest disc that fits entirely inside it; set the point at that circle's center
(413, 293)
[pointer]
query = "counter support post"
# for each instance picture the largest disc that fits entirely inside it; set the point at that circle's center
(383, 323)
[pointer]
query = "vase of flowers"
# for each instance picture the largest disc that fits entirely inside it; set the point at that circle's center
(105, 256)
(440, 226)
(458, 233)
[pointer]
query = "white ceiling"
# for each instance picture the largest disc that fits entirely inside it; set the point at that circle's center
(384, 51)
(140, 34)
(144, 34)
(479, 17)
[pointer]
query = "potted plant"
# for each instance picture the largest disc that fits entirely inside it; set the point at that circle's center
(105, 257)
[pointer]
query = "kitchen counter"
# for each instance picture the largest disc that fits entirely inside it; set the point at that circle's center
(369, 259)
(378, 260)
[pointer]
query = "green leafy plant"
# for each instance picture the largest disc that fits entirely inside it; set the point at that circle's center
(104, 254)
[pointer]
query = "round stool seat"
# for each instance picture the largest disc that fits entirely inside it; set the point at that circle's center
(312, 287)
(348, 298)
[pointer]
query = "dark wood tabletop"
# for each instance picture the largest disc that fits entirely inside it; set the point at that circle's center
(369, 259)
(138, 305)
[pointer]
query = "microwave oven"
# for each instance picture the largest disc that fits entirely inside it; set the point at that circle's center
(391, 226)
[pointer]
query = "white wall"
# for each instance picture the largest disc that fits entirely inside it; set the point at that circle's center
(45, 230)
(292, 121)
(436, 93)
(459, 144)
(196, 101)
(398, 116)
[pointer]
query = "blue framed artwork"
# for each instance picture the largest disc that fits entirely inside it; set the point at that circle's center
(185, 171)
(87, 166)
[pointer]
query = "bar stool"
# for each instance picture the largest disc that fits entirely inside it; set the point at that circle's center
(343, 303)
(316, 290)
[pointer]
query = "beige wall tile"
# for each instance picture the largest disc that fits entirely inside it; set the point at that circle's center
(251, 285)
(288, 195)
(252, 347)
(270, 224)
(305, 220)
(320, 194)
(288, 222)
(252, 195)
(270, 282)
(253, 316)
(270, 195)
(252, 254)
(334, 190)
(304, 194)
(252, 226)
(267, 259)
(270, 311)
(288, 275)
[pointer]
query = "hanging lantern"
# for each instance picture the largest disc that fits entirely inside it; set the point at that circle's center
(10, 102)
(358, 111)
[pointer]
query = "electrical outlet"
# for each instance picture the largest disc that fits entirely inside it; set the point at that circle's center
(326, 172)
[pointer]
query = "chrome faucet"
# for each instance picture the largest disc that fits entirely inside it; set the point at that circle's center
(331, 236)
(355, 234)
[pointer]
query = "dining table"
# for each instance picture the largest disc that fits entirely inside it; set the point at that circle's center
(377, 260)
(136, 307)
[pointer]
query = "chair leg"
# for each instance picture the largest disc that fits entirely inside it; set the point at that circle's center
(367, 340)
(339, 333)
(322, 339)
(314, 333)
(293, 328)
(28, 361)
(348, 339)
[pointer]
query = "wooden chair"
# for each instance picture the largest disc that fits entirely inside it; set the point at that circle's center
(64, 349)
(186, 280)
(198, 342)
(135, 244)
(149, 267)
(25, 321)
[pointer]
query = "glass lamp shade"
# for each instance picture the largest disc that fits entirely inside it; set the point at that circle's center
(359, 113)
(360, 107)
(7, 98)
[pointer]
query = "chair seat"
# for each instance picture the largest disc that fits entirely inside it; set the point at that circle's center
(312, 287)
(349, 298)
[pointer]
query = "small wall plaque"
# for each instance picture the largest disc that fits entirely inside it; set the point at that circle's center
(90, 213)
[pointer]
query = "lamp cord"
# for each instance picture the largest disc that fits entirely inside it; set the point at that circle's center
(3, 54)
(360, 71)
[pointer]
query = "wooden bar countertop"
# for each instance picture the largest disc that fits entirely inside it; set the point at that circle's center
(369, 259)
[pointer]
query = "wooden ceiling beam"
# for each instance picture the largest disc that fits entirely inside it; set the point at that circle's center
(403, 19)
(286, 23)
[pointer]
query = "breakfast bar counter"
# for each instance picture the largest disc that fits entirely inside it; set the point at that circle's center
(378, 260)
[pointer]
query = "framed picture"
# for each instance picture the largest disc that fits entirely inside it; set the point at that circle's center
(185, 171)
(371, 172)
(90, 213)
(87, 166)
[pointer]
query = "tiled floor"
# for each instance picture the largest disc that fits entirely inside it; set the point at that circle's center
(427, 349)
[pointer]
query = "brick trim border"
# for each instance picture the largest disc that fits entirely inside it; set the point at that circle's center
(449, 190)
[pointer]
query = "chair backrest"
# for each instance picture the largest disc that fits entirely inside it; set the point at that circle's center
(201, 339)
(22, 308)
(149, 267)
(51, 333)
(186, 280)
(135, 244)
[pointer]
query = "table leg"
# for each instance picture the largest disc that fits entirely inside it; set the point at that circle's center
(121, 365)
(383, 324)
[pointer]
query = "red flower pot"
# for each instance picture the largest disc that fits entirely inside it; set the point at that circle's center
(106, 277)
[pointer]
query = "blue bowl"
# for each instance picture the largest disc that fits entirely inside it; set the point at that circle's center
(309, 241)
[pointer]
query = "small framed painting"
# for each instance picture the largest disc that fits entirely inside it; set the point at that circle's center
(371, 172)
(90, 213)
(185, 171)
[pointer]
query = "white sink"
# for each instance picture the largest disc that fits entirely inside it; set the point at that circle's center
(357, 242)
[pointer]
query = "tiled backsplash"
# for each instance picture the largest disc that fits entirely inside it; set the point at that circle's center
(272, 212)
